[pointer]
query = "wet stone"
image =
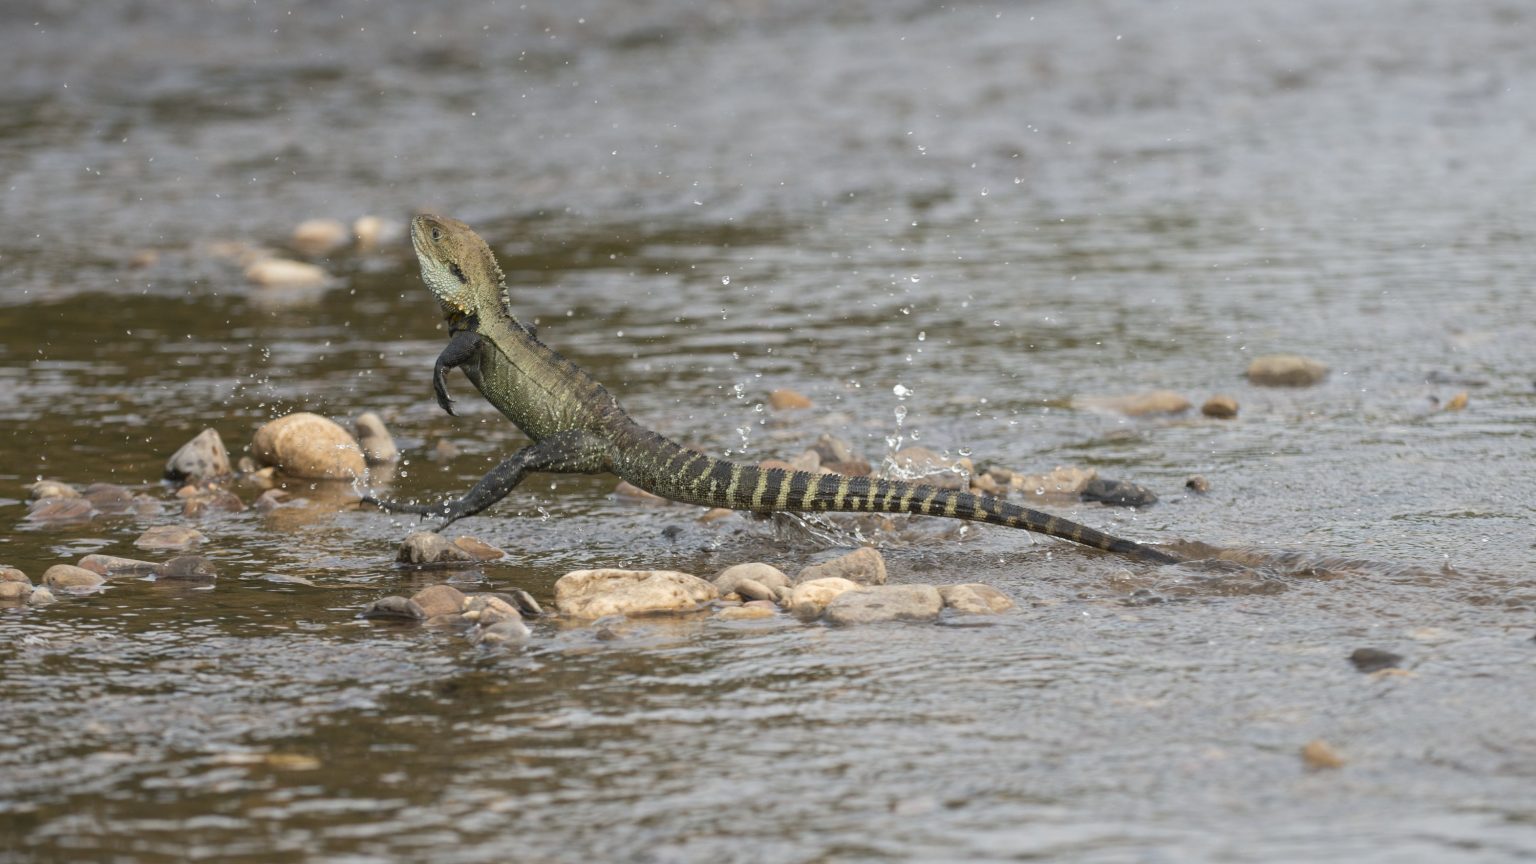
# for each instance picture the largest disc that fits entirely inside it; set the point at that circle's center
(974, 599)
(1286, 370)
(437, 600)
(518, 599)
(478, 549)
(283, 273)
(170, 537)
(319, 236)
(488, 609)
(808, 600)
(51, 489)
(396, 608)
(784, 399)
(1220, 407)
(211, 501)
(41, 596)
(597, 593)
(15, 592)
(426, 548)
(1198, 484)
(628, 490)
(765, 575)
(885, 603)
(745, 613)
(864, 566)
(110, 565)
(202, 458)
(48, 510)
(1137, 404)
(1119, 493)
(13, 574)
(751, 589)
(67, 577)
(1061, 480)
(378, 445)
(1319, 755)
(504, 631)
(1374, 659)
(271, 500)
(310, 446)
(188, 568)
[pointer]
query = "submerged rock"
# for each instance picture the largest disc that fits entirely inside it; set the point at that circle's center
(67, 577)
(885, 603)
(202, 458)
(283, 273)
(54, 510)
(308, 445)
(427, 548)
(319, 236)
(477, 548)
(397, 608)
(170, 537)
(372, 232)
(1062, 480)
(808, 600)
(15, 592)
(109, 566)
(864, 566)
(1137, 404)
(378, 445)
(974, 599)
(1286, 370)
(596, 593)
(51, 489)
(1198, 484)
(13, 574)
(1374, 659)
(110, 498)
(188, 568)
(503, 631)
(212, 500)
(1119, 493)
(437, 600)
(41, 596)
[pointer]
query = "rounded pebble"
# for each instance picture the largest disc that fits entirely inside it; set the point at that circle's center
(785, 399)
(596, 593)
(974, 599)
(478, 549)
(12, 574)
(1119, 493)
(399, 608)
(319, 236)
(437, 600)
(378, 445)
(15, 592)
(202, 458)
(808, 600)
(188, 568)
(864, 566)
(506, 630)
(1137, 404)
(170, 537)
(1197, 483)
(67, 577)
(1286, 370)
(41, 596)
(308, 445)
(763, 574)
(282, 273)
(110, 565)
(1220, 407)
(885, 603)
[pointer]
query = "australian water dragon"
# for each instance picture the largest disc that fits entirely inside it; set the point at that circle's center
(577, 426)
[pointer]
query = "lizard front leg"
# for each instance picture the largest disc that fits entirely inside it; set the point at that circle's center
(460, 350)
(575, 452)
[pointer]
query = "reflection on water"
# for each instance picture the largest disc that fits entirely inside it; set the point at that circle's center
(997, 209)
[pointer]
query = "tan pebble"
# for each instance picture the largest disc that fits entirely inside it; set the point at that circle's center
(785, 399)
(1457, 402)
(60, 510)
(319, 236)
(202, 458)
(763, 574)
(751, 589)
(810, 460)
(12, 574)
(974, 599)
(808, 600)
(51, 489)
(1062, 480)
(308, 445)
(169, 537)
(1136, 404)
(625, 489)
(715, 514)
(378, 445)
(864, 566)
(745, 613)
(596, 593)
(41, 596)
(885, 603)
(478, 549)
(372, 232)
(1318, 754)
(67, 577)
(280, 272)
(111, 565)
(1286, 370)
(212, 501)
(428, 548)
(1197, 483)
(439, 600)
(15, 591)
(1221, 407)
(144, 258)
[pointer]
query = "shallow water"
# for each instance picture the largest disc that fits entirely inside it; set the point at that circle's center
(997, 208)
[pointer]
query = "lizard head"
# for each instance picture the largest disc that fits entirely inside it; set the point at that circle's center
(457, 265)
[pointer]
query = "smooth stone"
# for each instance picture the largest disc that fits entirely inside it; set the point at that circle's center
(51, 489)
(41, 596)
(428, 548)
(921, 465)
(68, 577)
(809, 461)
(885, 603)
(437, 600)
(488, 609)
(1061, 480)
(626, 489)
(111, 565)
(1198, 484)
(1220, 407)
(751, 589)
(477, 548)
(974, 598)
(518, 599)
(15, 592)
(401, 608)
(1374, 659)
(1119, 493)
(745, 613)
(319, 236)
(830, 448)
(808, 600)
(1456, 403)
(60, 510)
(371, 232)
(1318, 754)
(596, 593)
(864, 566)
(378, 445)
(202, 458)
(13, 574)
(715, 514)
(211, 501)
(1286, 370)
(188, 568)
(505, 630)
(855, 467)
(283, 273)
(785, 399)
(764, 574)
(170, 537)
(308, 445)
(1137, 404)
(271, 500)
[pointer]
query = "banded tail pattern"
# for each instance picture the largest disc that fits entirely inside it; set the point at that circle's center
(673, 471)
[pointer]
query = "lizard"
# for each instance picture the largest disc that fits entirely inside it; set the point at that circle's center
(577, 426)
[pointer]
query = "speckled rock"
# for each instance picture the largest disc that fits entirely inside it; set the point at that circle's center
(1197, 483)
(51, 489)
(974, 599)
(437, 600)
(784, 399)
(188, 568)
(308, 445)
(595, 593)
(864, 566)
(283, 273)
(202, 458)
(1286, 370)
(67, 577)
(109, 566)
(885, 603)
(808, 600)
(763, 574)
(426, 548)
(372, 436)
(170, 537)
(1220, 407)
(400, 608)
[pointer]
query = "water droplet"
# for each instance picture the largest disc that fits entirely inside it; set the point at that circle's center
(725, 280)
(901, 391)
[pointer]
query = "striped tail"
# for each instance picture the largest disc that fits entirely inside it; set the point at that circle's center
(671, 470)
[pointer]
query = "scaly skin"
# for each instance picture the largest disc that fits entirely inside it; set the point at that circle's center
(578, 427)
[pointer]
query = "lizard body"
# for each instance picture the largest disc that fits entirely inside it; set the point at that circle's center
(577, 426)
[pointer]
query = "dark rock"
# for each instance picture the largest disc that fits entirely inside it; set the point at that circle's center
(308, 445)
(1374, 659)
(808, 600)
(478, 549)
(397, 608)
(1220, 407)
(503, 631)
(1119, 493)
(109, 498)
(188, 568)
(784, 399)
(15, 592)
(202, 458)
(1197, 483)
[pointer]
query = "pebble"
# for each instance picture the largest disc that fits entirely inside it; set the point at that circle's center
(51, 489)
(170, 537)
(833, 449)
(488, 609)
(508, 630)
(41, 596)
(283, 273)
(1456, 403)
(67, 577)
(1374, 659)
(518, 599)
(188, 568)
(1286, 370)
(1318, 754)
(751, 589)
(372, 436)
(1137, 404)
(1061, 480)
(308, 445)
(1119, 493)
(319, 236)
(885, 603)
(60, 510)
(596, 593)
(478, 549)
(745, 613)
(402, 608)
(271, 500)
(202, 458)
(763, 574)
(15, 592)
(985, 484)
(808, 600)
(111, 565)
(974, 599)
(715, 514)
(424, 548)
(626, 489)
(437, 600)
(372, 231)
(785, 399)
(770, 464)
(1197, 483)
(214, 500)
(1220, 407)
(12, 574)
(921, 465)
(110, 498)
(864, 566)
(809, 461)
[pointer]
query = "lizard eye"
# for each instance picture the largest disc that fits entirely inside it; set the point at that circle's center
(437, 233)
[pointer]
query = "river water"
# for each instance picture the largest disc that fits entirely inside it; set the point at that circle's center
(993, 210)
